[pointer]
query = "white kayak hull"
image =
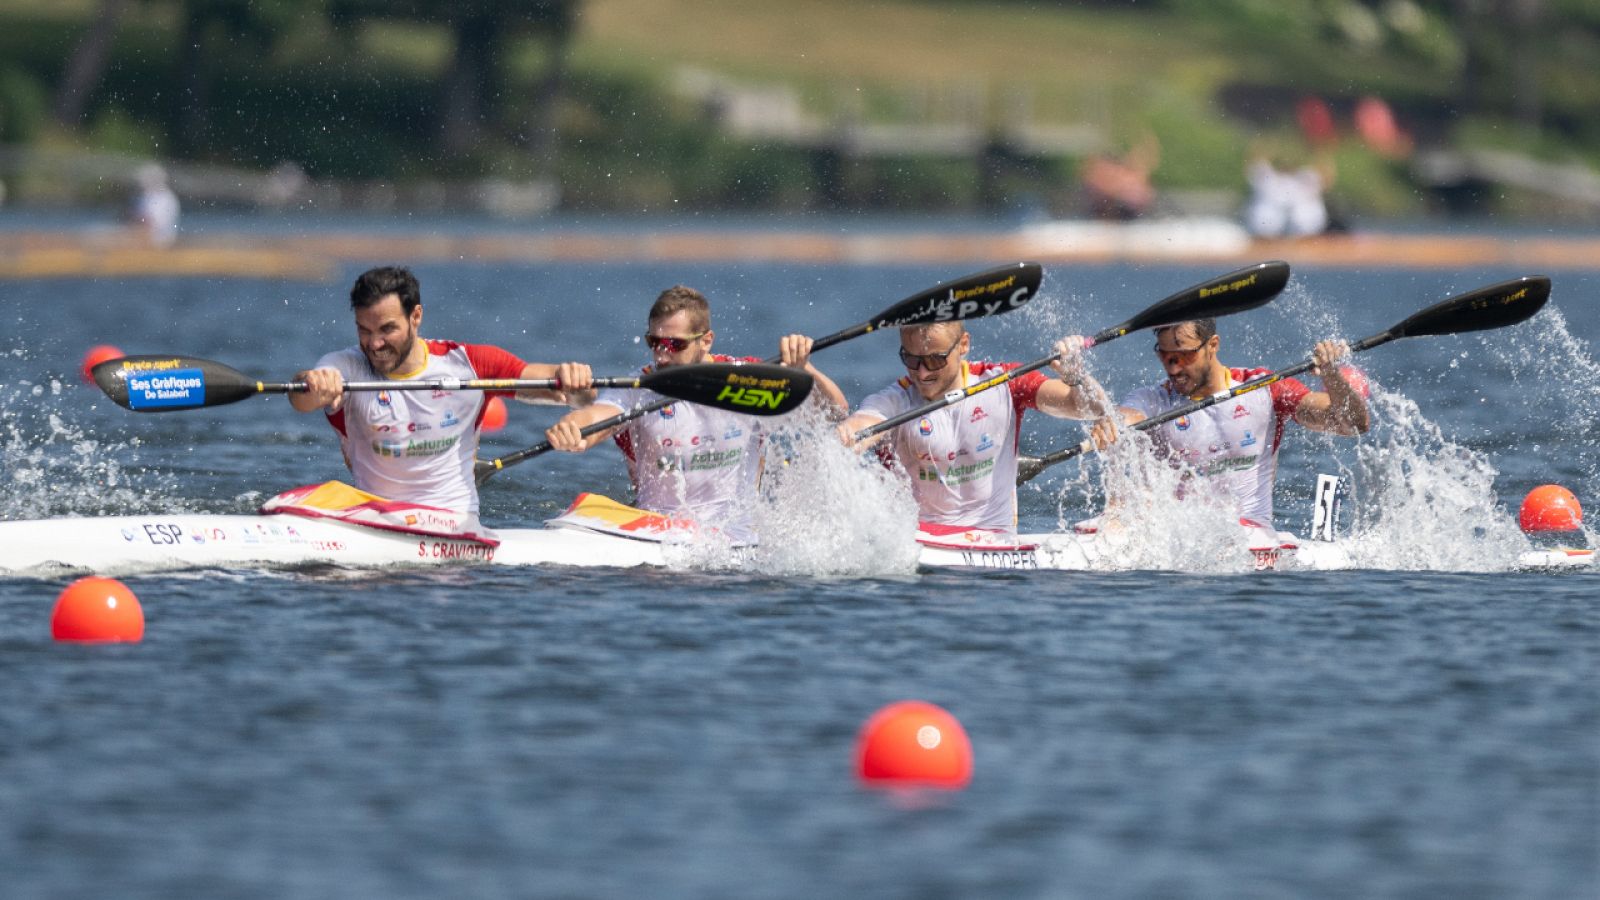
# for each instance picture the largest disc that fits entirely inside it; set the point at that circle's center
(115, 545)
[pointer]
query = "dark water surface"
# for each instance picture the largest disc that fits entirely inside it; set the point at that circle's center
(1425, 726)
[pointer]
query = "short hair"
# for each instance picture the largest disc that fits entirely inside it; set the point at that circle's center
(679, 298)
(375, 284)
(1203, 329)
(959, 327)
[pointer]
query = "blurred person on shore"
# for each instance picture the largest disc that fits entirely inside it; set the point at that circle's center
(1288, 201)
(1119, 188)
(155, 210)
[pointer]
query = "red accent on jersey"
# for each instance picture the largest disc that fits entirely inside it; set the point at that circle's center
(624, 437)
(1286, 397)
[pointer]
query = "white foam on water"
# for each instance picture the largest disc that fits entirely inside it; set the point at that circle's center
(826, 511)
(56, 467)
(1424, 501)
(1158, 515)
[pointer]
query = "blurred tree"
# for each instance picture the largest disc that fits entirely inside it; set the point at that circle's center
(87, 64)
(472, 92)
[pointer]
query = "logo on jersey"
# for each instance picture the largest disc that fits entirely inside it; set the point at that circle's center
(984, 443)
(1248, 441)
(1239, 411)
(925, 427)
(1182, 423)
(449, 420)
(732, 433)
(668, 411)
(384, 399)
(978, 415)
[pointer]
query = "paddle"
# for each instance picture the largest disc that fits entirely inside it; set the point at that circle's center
(987, 293)
(1238, 291)
(1490, 307)
(167, 383)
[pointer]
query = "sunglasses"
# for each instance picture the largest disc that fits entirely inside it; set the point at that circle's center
(1183, 356)
(672, 344)
(933, 362)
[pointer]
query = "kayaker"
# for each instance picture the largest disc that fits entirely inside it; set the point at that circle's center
(962, 459)
(686, 460)
(1235, 443)
(416, 446)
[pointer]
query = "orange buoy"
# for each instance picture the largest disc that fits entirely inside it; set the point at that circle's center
(98, 354)
(97, 609)
(1550, 507)
(914, 744)
(494, 414)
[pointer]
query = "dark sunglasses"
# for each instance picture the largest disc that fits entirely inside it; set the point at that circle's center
(933, 362)
(1184, 356)
(672, 344)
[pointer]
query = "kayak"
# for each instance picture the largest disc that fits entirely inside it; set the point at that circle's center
(593, 532)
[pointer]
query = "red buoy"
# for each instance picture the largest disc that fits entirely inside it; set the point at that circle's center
(98, 354)
(494, 414)
(914, 744)
(97, 609)
(1550, 507)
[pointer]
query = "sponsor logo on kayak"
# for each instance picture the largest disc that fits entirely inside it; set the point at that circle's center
(128, 534)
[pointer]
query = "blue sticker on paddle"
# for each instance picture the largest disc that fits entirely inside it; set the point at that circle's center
(172, 389)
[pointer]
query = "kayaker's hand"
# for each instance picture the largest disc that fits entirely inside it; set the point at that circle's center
(794, 350)
(1326, 356)
(566, 436)
(1068, 363)
(577, 383)
(1103, 432)
(324, 389)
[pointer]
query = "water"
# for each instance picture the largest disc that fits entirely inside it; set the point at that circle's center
(1426, 725)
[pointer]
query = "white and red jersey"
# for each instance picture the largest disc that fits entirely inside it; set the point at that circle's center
(692, 461)
(962, 459)
(1234, 443)
(418, 446)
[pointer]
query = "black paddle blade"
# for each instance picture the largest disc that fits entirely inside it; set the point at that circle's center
(759, 389)
(1247, 288)
(974, 296)
(1495, 306)
(168, 383)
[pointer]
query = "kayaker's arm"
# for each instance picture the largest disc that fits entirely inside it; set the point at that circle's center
(794, 350)
(849, 427)
(566, 435)
(1073, 393)
(325, 390)
(1339, 408)
(576, 380)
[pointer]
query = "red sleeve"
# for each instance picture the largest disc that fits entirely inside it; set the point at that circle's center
(493, 362)
(1025, 389)
(1286, 397)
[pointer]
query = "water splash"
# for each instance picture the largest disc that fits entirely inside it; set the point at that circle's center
(56, 467)
(827, 512)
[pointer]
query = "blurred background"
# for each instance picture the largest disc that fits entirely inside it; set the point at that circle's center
(1026, 111)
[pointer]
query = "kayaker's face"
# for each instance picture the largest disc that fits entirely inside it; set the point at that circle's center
(674, 341)
(1186, 359)
(932, 355)
(388, 336)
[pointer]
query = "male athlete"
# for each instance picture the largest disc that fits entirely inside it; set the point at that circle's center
(962, 459)
(686, 460)
(1235, 443)
(415, 446)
